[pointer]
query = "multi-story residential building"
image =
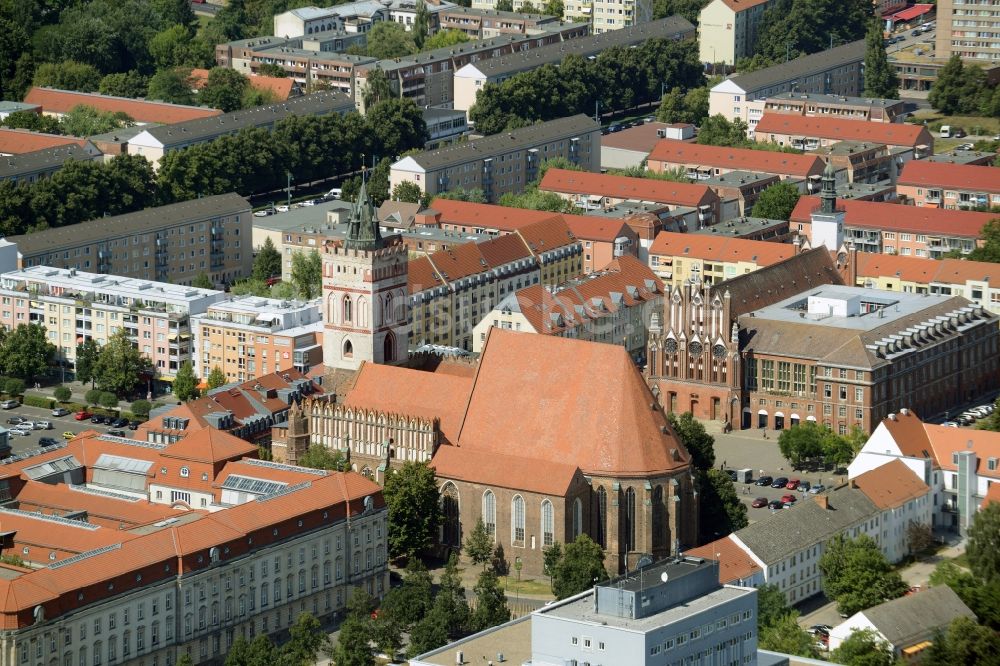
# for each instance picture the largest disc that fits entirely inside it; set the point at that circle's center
(504, 162)
(813, 133)
(750, 228)
(300, 229)
(364, 13)
(700, 162)
(470, 79)
(155, 142)
(687, 614)
(837, 71)
(978, 281)
(226, 545)
(28, 168)
(211, 235)
(738, 191)
(938, 185)
(679, 259)
(444, 126)
(873, 110)
(727, 30)
(74, 306)
(965, 29)
(847, 356)
(967, 157)
(866, 162)
(608, 16)
(250, 336)
(875, 226)
(479, 22)
(451, 290)
(19, 141)
(57, 103)
(960, 465)
(611, 306)
(598, 190)
(919, 65)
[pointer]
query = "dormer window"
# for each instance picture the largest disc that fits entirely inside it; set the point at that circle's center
(185, 472)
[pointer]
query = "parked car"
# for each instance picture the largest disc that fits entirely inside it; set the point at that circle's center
(26, 426)
(820, 630)
(282, 208)
(14, 420)
(966, 146)
(803, 487)
(99, 419)
(19, 431)
(916, 33)
(792, 484)
(117, 433)
(335, 193)
(780, 482)
(764, 481)
(263, 213)
(60, 411)
(615, 127)
(308, 202)
(817, 489)
(10, 404)
(790, 498)
(119, 423)
(48, 441)
(759, 503)
(134, 425)
(82, 415)
(950, 424)
(43, 425)
(69, 435)
(776, 504)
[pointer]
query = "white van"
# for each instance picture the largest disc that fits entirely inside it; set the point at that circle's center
(945, 131)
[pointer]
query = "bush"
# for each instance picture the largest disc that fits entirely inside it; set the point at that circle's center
(62, 393)
(14, 386)
(38, 401)
(108, 400)
(141, 408)
(74, 406)
(93, 396)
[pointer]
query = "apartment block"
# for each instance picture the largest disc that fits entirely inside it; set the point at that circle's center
(451, 290)
(950, 186)
(28, 168)
(837, 71)
(867, 163)
(363, 13)
(873, 110)
(700, 162)
(19, 141)
(57, 103)
(728, 29)
(504, 162)
(968, 29)
(609, 15)
(252, 336)
(486, 22)
(211, 235)
(611, 306)
(738, 191)
(474, 75)
(885, 227)
(596, 190)
(74, 306)
(678, 258)
(816, 133)
(148, 552)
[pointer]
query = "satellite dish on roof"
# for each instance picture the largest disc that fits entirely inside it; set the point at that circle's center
(664, 577)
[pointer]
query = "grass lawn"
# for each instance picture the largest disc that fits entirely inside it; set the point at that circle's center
(203, 21)
(539, 587)
(991, 125)
(962, 560)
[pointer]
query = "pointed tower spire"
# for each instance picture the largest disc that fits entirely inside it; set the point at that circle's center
(363, 230)
(828, 196)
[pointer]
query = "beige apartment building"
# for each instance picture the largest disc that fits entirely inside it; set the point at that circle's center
(680, 258)
(74, 306)
(873, 110)
(969, 29)
(504, 162)
(251, 336)
(174, 243)
(727, 29)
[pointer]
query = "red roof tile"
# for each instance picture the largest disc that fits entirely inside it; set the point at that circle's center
(921, 173)
(896, 217)
(735, 565)
(545, 235)
(18, 141)
(720, 248)
(507, 220)
(891, 134)
(61, 498)
(62, 101)
(909, 269)
(546, 477)
(891, 485)
(625, 187)
(744, 159)
(210, 446)
(280, 87)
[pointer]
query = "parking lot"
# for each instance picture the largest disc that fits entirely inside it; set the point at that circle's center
(60, 424)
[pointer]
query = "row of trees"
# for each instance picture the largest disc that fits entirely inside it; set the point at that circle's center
(618, 79)
(790, 28)
(962, 89)
(117, 367)
(809, 441)
(81, 120)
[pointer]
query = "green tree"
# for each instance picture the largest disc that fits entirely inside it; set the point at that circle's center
(863, 648)
(479, 544)
(108, 400)
(534, 199)
(388, 39)
(68, 75)
(14, 41)
(267, 263)
(786, 636)
(270, 69)
(581, 566)
(413, 600)
(837, 450)
(318, 456)
(185, 659)
(93, 396)
(983, 547)
(553, 8)
(224, 89)
(717, 131)
(140, 408)
(407, 191)
(720, 510)
(185, 382)
(250, 287)
(450, 602)
(988, 251)
(429, 633)
(216, 378)
(965, 643)
(171, 85)
(795, 27)
(26, 352)
(776, 202)
(672, 109)
(857, 575)
(13, 386)
(696, 104)
(307, 273)
(880, 77)
(124, 84)
(551, 555)
(202, 281)
(491, 604)
(36, 122)
(689, 9)
(420, 27)
(387, 634)
(395, 125)
(62, 393)
(121, 366)
(445, 38)
(178, 47)
(771, 605)
(472, 196)
(258, 652)
(411, 496)
(801, 442)
(692, 434)
(946, 91)
(352, 648)
(376, 88)
(305, 642)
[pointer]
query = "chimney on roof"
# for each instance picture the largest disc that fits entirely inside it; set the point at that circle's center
(823, 501)
(892, 417)
(904, 411)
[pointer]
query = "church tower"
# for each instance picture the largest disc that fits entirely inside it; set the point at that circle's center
(365, 299)
(828, 222)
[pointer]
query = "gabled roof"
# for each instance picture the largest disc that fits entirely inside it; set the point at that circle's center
(743, 5)
(60, 498)
(891, 485)
(744, 159)
(18, 141)
(915, 617)
(799, 68)
(734, 562)
(53, 100)
(921, 173)
(280, 86)
(211, 446)
(546, 477)
(894, 217)
(605, 427)
(769, 285)
(841, 129)
(946, 442)
(907, 430)
(625, 187)
(720, 248)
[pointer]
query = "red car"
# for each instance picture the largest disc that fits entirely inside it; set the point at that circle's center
(759, 503)
(793, 484)
(788, 499)
(82, 415)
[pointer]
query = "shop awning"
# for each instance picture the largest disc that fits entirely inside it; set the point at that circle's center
(911, 13)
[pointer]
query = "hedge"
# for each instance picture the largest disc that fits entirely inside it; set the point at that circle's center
(38, 401)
